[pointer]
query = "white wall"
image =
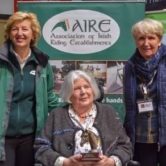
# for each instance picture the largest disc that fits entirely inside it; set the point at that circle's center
(6, 6)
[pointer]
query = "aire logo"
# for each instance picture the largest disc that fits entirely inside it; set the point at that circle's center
(81, 31)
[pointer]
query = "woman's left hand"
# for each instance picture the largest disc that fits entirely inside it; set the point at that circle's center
(105, 161)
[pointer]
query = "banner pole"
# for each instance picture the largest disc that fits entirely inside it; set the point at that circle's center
(15, 6)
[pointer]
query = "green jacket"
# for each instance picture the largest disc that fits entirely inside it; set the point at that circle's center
(46, 99)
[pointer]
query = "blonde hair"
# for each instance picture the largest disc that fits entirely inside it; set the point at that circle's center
(19, 17)
(148, 26)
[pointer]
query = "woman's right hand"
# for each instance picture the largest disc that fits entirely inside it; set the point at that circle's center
(76, 160)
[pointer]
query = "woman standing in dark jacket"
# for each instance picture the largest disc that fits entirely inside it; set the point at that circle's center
(145, 94)
(26, 83)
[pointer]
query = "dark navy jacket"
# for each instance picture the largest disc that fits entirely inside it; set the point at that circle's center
(130, 98)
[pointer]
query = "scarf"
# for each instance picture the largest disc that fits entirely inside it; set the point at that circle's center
(145, 69)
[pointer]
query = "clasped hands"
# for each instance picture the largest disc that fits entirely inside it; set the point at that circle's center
(76, 160)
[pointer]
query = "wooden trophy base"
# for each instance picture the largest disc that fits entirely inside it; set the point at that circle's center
(90, 156)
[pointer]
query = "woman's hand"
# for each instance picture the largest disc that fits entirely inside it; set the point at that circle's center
(105, 161)
(76, 161)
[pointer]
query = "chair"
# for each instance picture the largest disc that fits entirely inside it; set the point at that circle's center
(133, 163)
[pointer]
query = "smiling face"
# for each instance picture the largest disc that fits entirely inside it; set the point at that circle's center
(147, 45)
(82, 96)
(21, 34)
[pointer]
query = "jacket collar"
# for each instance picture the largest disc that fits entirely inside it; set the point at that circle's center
(4, 51)
(41, 57)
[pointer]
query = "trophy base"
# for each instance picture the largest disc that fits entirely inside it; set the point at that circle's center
(90, 156)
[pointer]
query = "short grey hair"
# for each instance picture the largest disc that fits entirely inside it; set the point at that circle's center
(68, 84)
(148, 26)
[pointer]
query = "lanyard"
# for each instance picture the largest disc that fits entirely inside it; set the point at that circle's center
(144, 86)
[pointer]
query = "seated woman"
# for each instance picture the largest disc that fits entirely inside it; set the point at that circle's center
(84, 132)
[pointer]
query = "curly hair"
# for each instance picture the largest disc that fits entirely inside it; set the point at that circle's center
(19, 17)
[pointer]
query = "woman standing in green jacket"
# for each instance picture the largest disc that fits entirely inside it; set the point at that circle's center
(26, 83)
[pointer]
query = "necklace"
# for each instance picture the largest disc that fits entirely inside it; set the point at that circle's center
(84, 116)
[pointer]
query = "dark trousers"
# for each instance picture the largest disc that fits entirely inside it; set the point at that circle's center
(19, 151)
(149, 155)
